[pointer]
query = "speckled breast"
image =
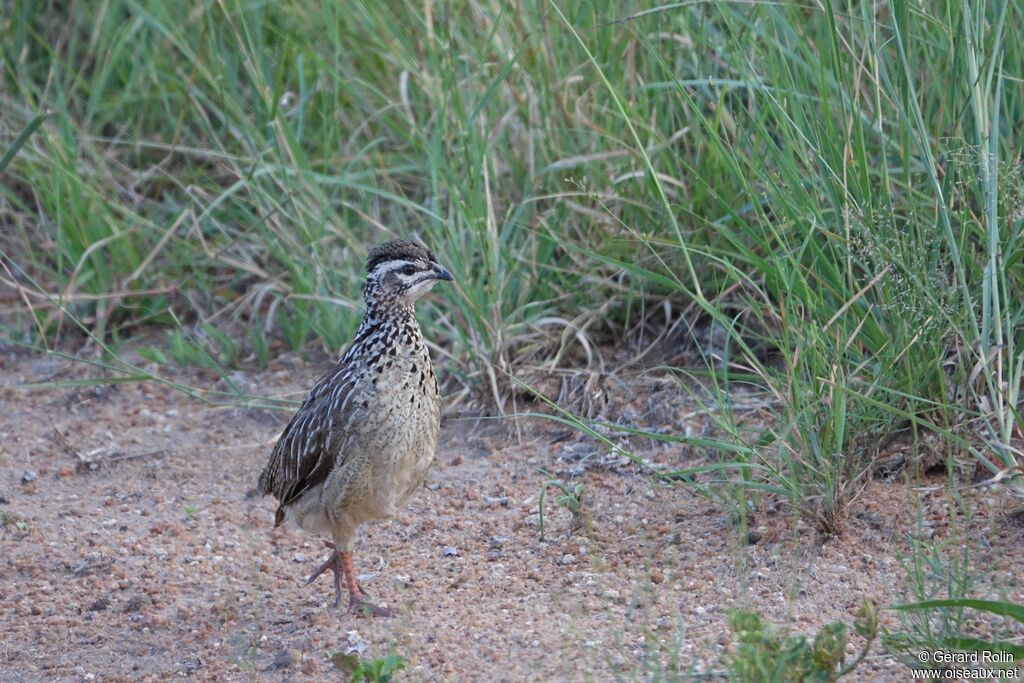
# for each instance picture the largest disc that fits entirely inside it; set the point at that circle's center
(407, 421)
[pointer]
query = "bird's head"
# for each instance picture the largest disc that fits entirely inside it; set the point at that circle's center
(401, 271)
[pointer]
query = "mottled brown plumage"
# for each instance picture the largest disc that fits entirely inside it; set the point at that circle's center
(364, 437)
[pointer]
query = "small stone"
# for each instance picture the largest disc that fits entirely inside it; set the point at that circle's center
(450, 551)
(286, 659)
(299, 557)
(497, 541)
(356, 645)
(568, 558)
(28, 476)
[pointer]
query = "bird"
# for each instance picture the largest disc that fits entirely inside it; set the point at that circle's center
(365, 435)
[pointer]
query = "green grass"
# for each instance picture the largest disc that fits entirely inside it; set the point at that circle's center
(838, 187)
(379, 670)
(764, 655)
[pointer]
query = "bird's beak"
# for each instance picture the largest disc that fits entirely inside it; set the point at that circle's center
(440, 273)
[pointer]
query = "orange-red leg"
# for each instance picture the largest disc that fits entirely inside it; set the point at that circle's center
(340, 563)
(356, 599)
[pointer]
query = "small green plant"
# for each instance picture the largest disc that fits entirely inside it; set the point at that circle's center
(226, 350)
(570, 496)
(379, 670)
(258, 342)
(903, 643)
(209, 348)
(935, 571)
(153, 355)
(186, 352)
(766, 655)
(190, 511)
(11, 519)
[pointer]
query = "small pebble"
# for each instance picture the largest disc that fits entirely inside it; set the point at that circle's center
(286, 659)
(299, 557)
(568, 558)
(450, 551)
(28, 476)
(356, 645)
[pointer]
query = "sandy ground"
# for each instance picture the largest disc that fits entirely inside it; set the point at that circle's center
(159, 561)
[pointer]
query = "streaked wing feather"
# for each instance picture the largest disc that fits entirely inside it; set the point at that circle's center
(303, 457)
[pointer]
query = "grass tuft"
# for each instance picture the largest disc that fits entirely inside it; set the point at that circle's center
(838, 189)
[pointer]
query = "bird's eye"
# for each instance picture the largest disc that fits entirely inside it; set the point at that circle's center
(408, 270)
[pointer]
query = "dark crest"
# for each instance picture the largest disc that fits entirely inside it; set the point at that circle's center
(408, 250)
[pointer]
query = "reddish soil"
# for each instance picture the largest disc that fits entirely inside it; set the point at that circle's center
(158, 560)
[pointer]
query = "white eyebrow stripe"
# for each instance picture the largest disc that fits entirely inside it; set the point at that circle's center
(388, 266)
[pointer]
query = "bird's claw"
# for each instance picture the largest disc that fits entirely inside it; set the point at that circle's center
(362, 608)
(330, 563)
(357, 596)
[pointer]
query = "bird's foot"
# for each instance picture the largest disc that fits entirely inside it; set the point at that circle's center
(361, 608)
(334, 563)
(341, 564)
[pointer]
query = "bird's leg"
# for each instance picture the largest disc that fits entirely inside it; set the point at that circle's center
(334, 563)
(356, 600)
